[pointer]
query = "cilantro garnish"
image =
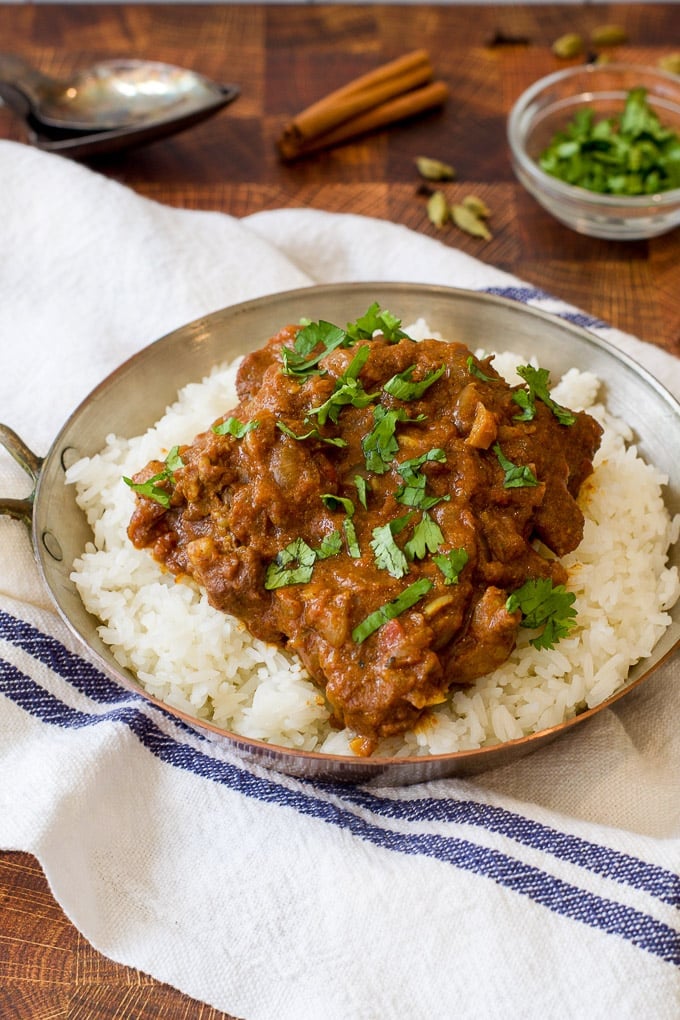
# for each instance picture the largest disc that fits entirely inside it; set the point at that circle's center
(153, 488)
(317, 339)
(362, 490)
(543, 605)
(630, 154)
(538, 379)
(408, 598)
(402, 387)
(301, 359)
(427, 537)
(517, 476)
(311, 434)
(451, 564)
(388, 555)
(412, 491)
(333, 502)
(351, 538)
(380, 444)
(474, 369)
(348, 390)
(295, 563)
(376, 320)
(234, 427)
(330, 546)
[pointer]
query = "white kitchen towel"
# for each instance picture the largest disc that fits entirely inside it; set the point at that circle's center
(549, 888)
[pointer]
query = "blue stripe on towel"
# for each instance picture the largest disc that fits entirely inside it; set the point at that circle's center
(557, 895)
(526, 294)
(601, 860)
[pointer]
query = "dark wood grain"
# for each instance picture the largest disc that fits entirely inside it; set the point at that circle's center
(284, 57)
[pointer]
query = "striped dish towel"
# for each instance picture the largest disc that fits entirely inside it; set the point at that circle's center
(549, 888)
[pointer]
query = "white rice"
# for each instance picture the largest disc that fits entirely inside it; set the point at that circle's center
(199, 660)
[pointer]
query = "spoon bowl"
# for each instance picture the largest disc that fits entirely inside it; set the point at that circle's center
(114, 99)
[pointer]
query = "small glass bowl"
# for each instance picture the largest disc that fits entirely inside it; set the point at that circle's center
(549, 104)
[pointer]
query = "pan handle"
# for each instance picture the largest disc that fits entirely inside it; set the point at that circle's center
(20, 509)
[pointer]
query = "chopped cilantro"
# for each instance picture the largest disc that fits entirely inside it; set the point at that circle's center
(320, 337)
(376, 320)
(474, 369)
(333, 502)
(427, 537)
(351, 538)
(311, 434)
(538, 379)
(412, 491)
(235, 428)
(402, 387)
(348, 390)
(451, 564)
(380, 444)
(295, 563)
(362, 490)
(543, 605)
(630, 154)
(517, 476)
(153, 488)
(388, 555)
(408, 598)
(330, 546)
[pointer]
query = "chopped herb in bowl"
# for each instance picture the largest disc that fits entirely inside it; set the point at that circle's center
(630, 154)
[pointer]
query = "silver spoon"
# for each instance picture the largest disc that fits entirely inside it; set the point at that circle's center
(112, 95)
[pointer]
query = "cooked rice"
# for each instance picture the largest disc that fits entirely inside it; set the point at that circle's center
(199, 660)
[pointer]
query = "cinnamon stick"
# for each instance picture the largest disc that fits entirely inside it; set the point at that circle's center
(417, 101)
(365, 93)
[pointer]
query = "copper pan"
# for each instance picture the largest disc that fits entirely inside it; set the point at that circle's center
(137, 394)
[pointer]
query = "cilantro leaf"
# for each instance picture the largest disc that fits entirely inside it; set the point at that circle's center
(376, 320)
(330, 546)
(412, 491)
(153, 488)
(427, 537)
(538, 380)
(408, 598)
(233, 427)
(320, 337)
(293, 565)
(380, 444)
(351, 538)
(517, 476)
(451, 564)
(311, 434)
(362, 490)
(402, 387)
(543, 605)
(333, 502)
(474, 369)
(388, 555)
(348, 390)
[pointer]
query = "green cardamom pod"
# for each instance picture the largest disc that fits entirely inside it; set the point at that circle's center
(569, 45)
(434, 169)
(466, 220)
(608, 35)
(438, 211)
(477, 206)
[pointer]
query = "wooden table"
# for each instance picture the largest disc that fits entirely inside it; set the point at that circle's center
(284, 57)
